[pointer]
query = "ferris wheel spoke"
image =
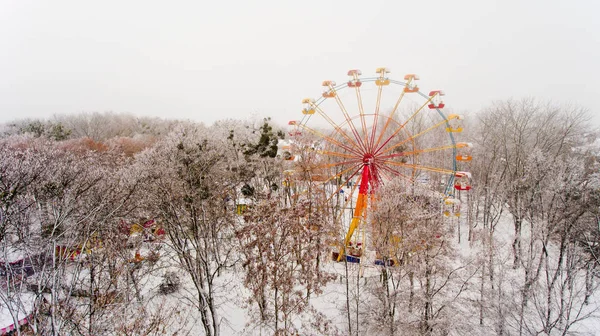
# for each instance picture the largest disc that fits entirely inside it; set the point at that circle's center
(338, 154)
(419, 167)
(356, 83)
(377, 106)
(386, 174)
(443, 122)
(356, 170)
(349, 120)
(404, 124)
(419, 151)
(390, 174)
(331, 165)
(355, 163)
(377, 173)
(335, 126)
(394, 172)
(331, 178)
(331, 140)
(362, 114)
(391, 116)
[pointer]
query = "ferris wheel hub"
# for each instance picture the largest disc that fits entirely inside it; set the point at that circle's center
(368, 158)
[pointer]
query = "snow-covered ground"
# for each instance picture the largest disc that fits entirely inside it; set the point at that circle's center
(234, 309)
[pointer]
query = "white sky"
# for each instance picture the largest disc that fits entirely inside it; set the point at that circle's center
(209, 60)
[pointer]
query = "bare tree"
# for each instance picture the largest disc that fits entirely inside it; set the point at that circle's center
(522, 127)
(190, 191)
(65, 235)
(531, 168)
(421, 280)
(280, 245)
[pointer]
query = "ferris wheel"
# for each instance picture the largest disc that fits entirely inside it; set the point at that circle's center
(362, 133)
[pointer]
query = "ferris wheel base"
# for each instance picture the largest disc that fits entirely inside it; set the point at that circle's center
(388, 262)
(335, 256)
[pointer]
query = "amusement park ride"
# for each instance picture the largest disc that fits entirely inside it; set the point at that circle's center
(390, 129)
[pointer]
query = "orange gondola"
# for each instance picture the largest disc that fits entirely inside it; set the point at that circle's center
(411, 78)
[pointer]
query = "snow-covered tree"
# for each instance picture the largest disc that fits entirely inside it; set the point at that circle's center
(280, 245)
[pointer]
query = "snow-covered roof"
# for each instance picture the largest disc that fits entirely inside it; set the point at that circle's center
(16, 313)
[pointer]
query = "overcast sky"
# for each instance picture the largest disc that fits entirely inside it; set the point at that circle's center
(209, 60)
